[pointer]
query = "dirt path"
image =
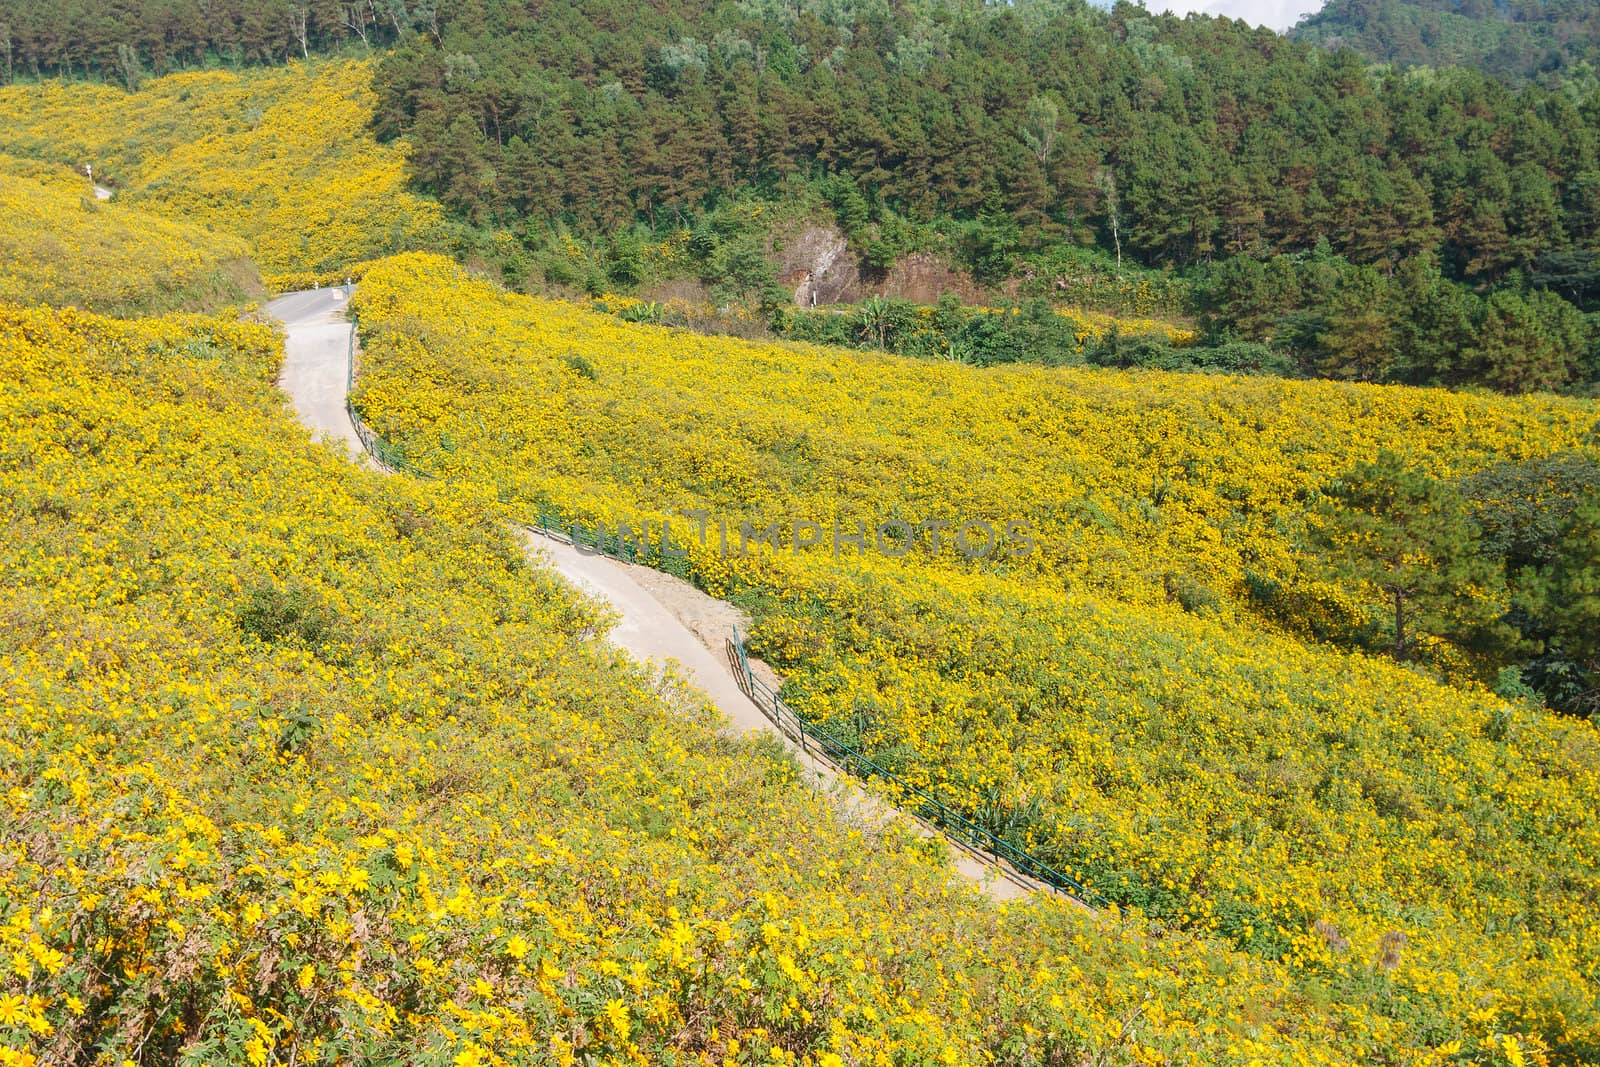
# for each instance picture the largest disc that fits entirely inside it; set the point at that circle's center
(662, 620)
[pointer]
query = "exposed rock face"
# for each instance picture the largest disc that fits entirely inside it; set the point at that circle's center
(818, 266)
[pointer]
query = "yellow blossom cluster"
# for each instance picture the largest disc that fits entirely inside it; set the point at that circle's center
(301, 764)
(1091, 326)
(296, 281)
(45, 173)
(282, 157)
(59, 245)
(696, 314)
(1423, 856)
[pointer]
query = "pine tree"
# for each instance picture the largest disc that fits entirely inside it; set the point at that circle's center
(1528, 343)
(1393, 531)
(1565, 596)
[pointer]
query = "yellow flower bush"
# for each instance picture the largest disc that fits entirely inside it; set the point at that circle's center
(1424, 857)
(1091, 326)
(295, 281)
(59, 245)
(303, 764)
(281, 157)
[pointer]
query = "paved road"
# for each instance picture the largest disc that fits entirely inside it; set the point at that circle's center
(315, 369)
(649, 631)
(315, 376)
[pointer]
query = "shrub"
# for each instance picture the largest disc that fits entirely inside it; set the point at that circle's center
(273, 613)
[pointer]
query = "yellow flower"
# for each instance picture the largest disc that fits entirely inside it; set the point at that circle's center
(617, 1015)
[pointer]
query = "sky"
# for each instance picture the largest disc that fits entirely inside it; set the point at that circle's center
(1278, 14)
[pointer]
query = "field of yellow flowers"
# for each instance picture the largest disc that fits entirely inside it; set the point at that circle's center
(1423, 858)
(58, 245)
(302, 764)
(281, 157)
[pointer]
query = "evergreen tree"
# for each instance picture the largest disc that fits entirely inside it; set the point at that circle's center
(1565, 595)
(1358, 342)
(1393, 531)
(1435, 324)
(1528, 343)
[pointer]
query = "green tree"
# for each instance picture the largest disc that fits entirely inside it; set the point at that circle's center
(1358, 340)
(1522, 508)
(1435, 323)
(1393, 531)
(1564, 595)
(989, 244)
(1528, 343)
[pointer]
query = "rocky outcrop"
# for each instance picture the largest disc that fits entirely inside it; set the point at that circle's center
(817, 265)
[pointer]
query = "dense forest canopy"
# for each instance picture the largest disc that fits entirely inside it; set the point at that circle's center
(1193, 139)
(1429, 226)
(1511, 39)
(126, 39)
(1178, 141)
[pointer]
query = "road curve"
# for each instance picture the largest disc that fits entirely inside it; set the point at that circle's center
(648, 630)
(315, 374)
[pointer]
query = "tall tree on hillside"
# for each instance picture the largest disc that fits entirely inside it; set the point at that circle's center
(300, 26)
(1528, 343)
(1111, 205)
(1435, 324)
(1358, 341)
(1041, 127)
(1392, 531)
(1565, 595)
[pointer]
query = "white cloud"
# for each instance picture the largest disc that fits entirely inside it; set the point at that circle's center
(1278, 14)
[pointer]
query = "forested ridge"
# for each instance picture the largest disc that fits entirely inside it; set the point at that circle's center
(1512, 39)
(126, 40)
(1424, 226)
(1212, 139)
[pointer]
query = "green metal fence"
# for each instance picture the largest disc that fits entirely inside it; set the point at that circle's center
(802, 731)
(810, 735)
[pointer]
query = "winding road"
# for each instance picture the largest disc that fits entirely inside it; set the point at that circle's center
(316, 352)
(315, 375)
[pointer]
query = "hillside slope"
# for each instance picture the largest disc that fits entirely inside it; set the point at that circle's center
(1311, 806)
(280, 157)
(1354, 219)
(307, 764)
(59, 246)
